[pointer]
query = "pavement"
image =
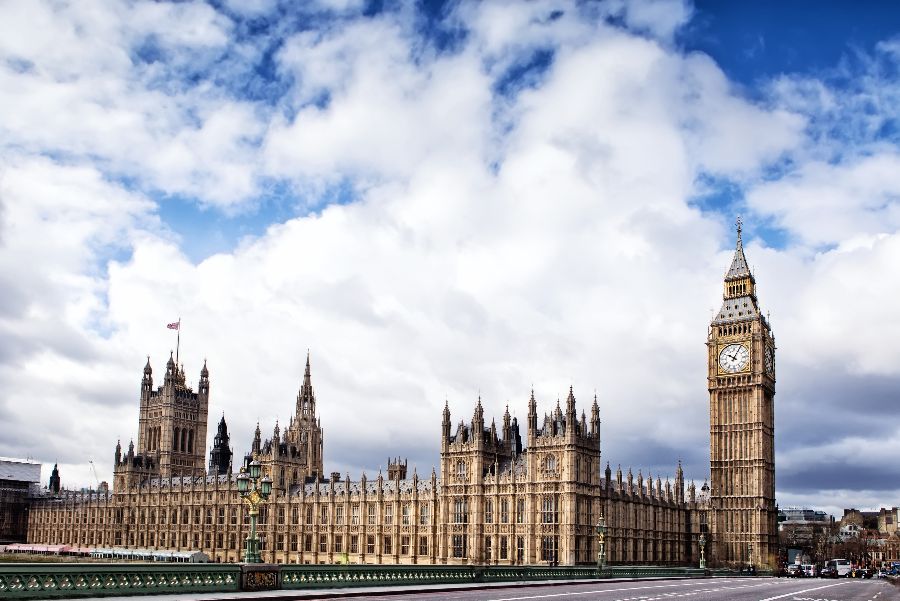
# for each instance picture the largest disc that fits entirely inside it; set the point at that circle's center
(644, 589)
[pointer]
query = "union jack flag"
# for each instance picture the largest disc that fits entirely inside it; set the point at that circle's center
(174, 325)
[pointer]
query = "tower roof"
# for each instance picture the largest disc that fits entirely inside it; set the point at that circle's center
(739, 268)
(739, 298)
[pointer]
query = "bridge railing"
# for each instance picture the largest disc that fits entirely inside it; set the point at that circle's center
(47, 580)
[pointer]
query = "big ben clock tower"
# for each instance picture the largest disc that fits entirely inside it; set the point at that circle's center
(741, 379)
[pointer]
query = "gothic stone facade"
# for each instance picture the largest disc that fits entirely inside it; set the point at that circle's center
(500, 498)
(741, 381)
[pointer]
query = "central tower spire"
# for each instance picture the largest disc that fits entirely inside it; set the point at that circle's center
(306, 398)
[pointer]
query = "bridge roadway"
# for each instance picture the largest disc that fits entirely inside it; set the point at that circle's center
(719, 589)
(704, 589)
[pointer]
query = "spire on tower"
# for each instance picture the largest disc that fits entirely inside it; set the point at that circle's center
(478, 418)
(54, 479)
(532, 413)
(739, 294)
(739, 268)
(257, 439)
(306, 398)
(171, 369)
(570, 402)
(147, 381)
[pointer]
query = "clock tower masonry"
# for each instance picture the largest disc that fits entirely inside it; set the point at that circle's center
(741, 382)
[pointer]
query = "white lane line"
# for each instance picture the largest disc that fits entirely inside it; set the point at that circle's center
(803, 591)
(592, 592)
(638, 588)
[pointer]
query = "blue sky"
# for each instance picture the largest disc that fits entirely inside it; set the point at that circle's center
(754, 44)
(445, 198)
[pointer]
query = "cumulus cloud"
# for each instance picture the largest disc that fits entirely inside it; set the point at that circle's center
(99, 83)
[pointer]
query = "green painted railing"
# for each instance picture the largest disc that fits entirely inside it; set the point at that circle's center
(321, 576)
(44, 580)
(651, 572)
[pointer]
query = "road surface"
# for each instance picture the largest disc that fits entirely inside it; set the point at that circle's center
(719, 589)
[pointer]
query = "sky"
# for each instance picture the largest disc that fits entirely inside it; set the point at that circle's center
(443, 200)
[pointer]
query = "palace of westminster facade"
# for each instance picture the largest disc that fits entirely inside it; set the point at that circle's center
(514, 494)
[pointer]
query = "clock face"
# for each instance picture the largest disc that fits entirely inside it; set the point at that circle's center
(770, 360)
(734, 358)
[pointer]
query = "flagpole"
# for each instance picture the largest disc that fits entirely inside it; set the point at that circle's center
(178, 344)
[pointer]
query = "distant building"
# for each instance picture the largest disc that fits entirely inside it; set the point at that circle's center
(889, 520)
(804, 533)
(19, 478)
(796, 515)
(866, 519)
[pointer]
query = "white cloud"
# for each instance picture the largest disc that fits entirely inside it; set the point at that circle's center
(662, 18)
(72, 85)
(826, 203)
(57, 223)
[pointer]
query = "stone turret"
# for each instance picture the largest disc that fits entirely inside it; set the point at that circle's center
(54, 479)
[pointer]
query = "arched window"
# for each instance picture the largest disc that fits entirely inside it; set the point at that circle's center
(549, 513)
(461, 469)
(176, 440)
(190, 445)
(183, 439)
(550, 463)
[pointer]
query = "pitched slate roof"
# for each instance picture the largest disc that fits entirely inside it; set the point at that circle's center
(739, 268)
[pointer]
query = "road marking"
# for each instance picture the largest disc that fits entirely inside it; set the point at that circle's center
(800, 592)
(648, 597)
(593, 592)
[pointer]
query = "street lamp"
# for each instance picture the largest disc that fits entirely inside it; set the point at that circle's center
(702, 551)
(253, 496)
(601, 542)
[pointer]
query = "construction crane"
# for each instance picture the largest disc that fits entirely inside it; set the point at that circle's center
(94, 469)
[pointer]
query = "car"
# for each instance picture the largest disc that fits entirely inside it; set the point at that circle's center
(795, 570)
(828, 572)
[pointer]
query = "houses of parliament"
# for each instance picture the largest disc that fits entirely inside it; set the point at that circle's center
(505, 493)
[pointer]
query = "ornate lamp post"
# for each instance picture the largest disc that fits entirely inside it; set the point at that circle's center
(702, 551)
(253, 496)
(601, 542)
